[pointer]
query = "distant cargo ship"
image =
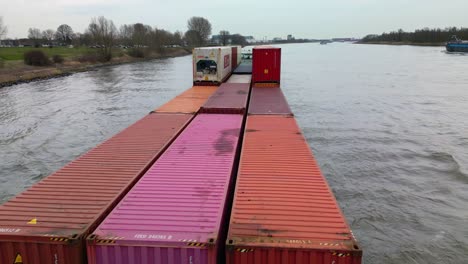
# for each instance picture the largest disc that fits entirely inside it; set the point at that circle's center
(457, 45)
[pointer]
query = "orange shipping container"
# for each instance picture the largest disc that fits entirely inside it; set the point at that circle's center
(283, 210)
(189, 101)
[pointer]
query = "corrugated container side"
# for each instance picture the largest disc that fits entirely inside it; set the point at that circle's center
(48, 222)
(211, 65)
(283, 205)
(175, 213)
(230, 98)
(189, 101)
(240, 78)
(268, 101)
(290, 256)
(266, 65)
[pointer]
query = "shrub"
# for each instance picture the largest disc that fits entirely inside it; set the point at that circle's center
(89, 57)
(36, 58)
(136, 53)
(57, 59)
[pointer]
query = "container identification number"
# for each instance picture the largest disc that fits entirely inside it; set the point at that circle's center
(9, 230)
(152, 236)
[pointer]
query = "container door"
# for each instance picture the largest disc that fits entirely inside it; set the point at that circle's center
(234, 57)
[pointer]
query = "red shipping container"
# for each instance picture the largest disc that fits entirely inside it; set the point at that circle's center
(230, 98)
(176, 213)
(47, 223)
(266, 64)
(235, 52)
(284, 211)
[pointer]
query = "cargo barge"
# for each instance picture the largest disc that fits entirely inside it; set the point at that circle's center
(457, 45)
(220, 174)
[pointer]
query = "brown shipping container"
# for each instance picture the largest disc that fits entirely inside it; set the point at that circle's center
(268, 101)
(230, 98)
(48, 223)
(235, 51)
(284, 211)
(189, 101)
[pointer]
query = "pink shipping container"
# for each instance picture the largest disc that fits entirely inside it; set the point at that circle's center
(175, 213)
(230, 98)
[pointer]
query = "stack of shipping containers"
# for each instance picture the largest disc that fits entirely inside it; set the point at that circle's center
(48, 223)
(161, 190)
(283, 209)
(179, 210)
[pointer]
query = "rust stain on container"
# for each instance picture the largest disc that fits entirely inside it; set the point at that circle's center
(48, 222)
(189, 101)
(283, 209)
(230, 98)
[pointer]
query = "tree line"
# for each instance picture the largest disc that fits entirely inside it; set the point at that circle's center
(103, 35)
(425, 35)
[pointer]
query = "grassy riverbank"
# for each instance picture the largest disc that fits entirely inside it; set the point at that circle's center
(14, 71)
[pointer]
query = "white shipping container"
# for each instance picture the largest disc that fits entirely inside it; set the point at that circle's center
(212, 64)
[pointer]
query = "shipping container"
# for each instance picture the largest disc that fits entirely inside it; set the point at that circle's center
(176, 213)
(235, 51)
(245, 67)
(239, 55)
(266, 64)
(240, 78)
(268, 101)
(211, 65)
(230, 98)
(189, 101)
(48, 223)
(283, 209)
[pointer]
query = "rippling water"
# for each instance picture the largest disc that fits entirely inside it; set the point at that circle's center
(388, 125)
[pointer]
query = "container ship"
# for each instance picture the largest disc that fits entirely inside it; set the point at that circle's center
(220, 174)
(457, 45)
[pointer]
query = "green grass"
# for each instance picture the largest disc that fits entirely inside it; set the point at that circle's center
(17, 53)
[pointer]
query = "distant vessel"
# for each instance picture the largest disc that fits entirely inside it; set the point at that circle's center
(325, 42)
(457, 45)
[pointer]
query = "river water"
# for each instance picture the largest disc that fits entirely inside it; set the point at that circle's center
(388, 125)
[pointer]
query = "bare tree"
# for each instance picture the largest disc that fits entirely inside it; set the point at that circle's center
(192, 38)
(48, 35)
(238, 39)
(224, 37)
(103, 32)
(141, 35)
(177, 38)
(35, 35)
(64, 33)
(202, 26)
(3, 29)
(125, 34)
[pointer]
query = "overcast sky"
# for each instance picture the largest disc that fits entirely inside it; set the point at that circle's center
(259, 18)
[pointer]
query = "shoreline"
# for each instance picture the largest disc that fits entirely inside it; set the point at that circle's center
(27, 74)
(427, 44)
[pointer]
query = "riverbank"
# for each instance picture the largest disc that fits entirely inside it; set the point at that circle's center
(427, 44)
(16, 72)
